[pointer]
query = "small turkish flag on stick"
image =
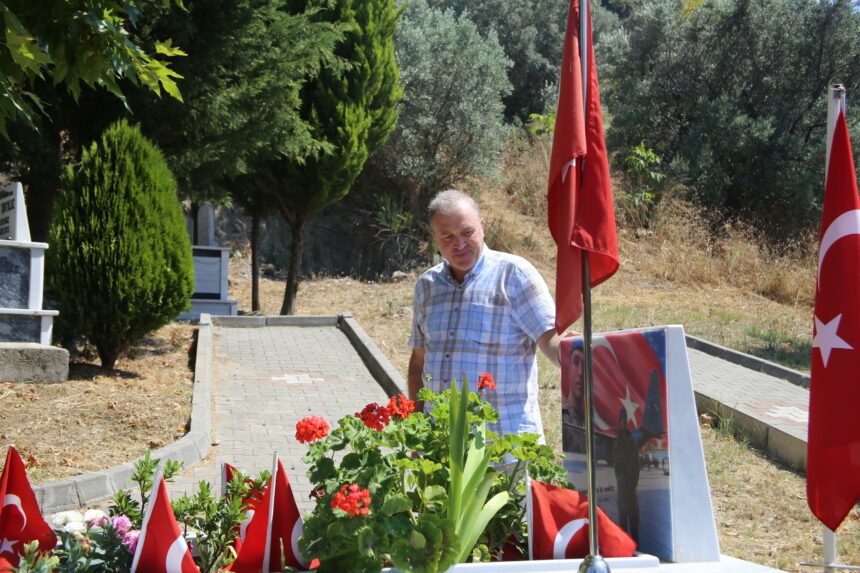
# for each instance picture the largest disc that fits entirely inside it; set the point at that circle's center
(161, 548)
(833, 451)
(273, 535)
(21, 520)
(558, 526)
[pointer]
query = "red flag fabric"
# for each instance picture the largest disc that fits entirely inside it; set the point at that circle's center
(252, 503)
(580, 212)
(21, 520)
(559, 527)
(833, 451)
(284, 530)
(161, 547)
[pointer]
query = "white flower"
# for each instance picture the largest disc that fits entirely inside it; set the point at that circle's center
(91, 516)
(75, 527)
(59, 520)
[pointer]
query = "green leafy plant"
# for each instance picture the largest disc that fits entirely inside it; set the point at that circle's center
(640, 200)
(418, 492)
(144, 471)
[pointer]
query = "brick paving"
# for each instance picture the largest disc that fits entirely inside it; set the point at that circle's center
(264, 380)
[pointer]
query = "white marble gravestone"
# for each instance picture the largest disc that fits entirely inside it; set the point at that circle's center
(26, 328)
(211, 265)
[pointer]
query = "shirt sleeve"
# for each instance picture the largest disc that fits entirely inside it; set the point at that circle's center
(532, 305)
(416, 337)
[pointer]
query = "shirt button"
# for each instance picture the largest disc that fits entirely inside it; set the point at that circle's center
(447, 356)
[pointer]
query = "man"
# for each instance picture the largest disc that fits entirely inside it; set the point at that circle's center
(480, 311)
(626, 465)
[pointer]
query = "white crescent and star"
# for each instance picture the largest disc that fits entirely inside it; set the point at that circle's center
(243, 527)
(630, 406)
(564, 535)
(826, 338)
(294, 543)
(566, 167)
(14, 500)
(175, 555)
(826, 333)
(6, 546)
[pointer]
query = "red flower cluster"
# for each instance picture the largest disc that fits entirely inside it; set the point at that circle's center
(400, 406)
(355, 501)
(374, 416)
(485, 380)
(311, 428)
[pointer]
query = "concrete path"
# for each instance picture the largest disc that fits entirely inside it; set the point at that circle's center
(264, 380)
(771, 411)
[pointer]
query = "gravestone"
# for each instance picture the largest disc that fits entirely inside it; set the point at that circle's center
(26, 329)
(649, 463)
(211, 266)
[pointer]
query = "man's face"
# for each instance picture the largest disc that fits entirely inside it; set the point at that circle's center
(577, 379)
(460, 238)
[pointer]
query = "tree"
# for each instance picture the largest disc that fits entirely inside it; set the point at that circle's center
(120, 259)
(352, 107)
(73, 43)
(732, 96)
(451, 122)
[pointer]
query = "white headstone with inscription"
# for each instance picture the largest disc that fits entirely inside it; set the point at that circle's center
(13, 214)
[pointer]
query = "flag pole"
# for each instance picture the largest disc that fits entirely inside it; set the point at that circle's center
(593, 562)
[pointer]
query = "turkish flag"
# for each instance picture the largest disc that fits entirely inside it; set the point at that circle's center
(283, 530)
(252, 502)
(627, 374)
(161, 546)
(21, 520)
(559, 526)
(580, 212)
(833, 451)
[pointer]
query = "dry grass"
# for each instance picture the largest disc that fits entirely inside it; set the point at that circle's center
(100, 419)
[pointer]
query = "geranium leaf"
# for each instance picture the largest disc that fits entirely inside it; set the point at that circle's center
(396, 504)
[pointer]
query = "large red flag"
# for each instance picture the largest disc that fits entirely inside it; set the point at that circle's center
(581, 217)
(161, 548)
(559, 526)
(833, 454)
(21, 520)
(281, 531)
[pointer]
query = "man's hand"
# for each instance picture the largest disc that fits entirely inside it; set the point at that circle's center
(414, 378)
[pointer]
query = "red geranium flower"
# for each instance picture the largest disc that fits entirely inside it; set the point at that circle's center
(400, 406)
(353, 500)
(374, 416)
(485, 380)
(311, 428)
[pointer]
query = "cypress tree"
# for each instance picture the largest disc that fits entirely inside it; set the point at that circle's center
(351, 106)
(120, 259)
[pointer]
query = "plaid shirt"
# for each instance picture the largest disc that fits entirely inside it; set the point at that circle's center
(489, 323)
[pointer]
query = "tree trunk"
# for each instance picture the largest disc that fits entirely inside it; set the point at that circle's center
(298, 231)
(255, 261)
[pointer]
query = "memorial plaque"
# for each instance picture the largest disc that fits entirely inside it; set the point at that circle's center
(20, 328)
(14, 277)
(650, 470)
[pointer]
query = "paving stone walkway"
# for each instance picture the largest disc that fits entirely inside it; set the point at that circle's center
(264, 380)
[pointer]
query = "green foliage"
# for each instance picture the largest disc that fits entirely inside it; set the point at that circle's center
(351, 107)
(120, 259)
(640, 200)
(451, 124)
(73, 43)
(429, 478)
(248, 61)
(144, 472)
(732, 95)
(32, 561)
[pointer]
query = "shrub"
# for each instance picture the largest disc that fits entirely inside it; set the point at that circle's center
(120, 259)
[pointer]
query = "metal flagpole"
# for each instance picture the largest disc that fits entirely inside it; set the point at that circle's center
(593, 562)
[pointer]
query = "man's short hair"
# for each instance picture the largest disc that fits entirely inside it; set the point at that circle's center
(449, 201)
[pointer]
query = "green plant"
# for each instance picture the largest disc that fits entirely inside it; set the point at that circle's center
(640, 202)
(120, 258)
(417, 492)
(144, 470)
